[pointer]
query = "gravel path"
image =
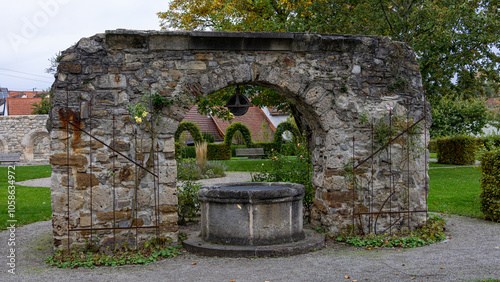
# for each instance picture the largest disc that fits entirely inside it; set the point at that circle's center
(472, 252)
(230, 177)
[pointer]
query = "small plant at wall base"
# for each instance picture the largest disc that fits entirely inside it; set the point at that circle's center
(428, 233)
(188, 204)
(152, 251)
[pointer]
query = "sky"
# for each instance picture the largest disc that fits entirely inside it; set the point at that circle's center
(33, 31)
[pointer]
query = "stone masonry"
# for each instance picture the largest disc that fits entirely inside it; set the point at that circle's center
(27, 136)
(334, 81)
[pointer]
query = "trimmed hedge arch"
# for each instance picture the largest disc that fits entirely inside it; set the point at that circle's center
(281, 128)
(192, 128)
(245, 131)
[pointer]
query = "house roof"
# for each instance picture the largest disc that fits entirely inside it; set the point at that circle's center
(217, 127)
(206, 124)
(253, 118)
(28, 94)
(20, 106)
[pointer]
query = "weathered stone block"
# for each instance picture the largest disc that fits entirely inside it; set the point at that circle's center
(168, 42)
(112, 81)
(86, 180)
(191, 65)
(117, 215)
(65, 160)
(69, 68)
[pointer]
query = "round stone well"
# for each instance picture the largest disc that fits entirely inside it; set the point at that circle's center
(252, 219)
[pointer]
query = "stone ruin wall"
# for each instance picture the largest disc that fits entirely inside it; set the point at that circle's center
(27, 136)
(331, 80)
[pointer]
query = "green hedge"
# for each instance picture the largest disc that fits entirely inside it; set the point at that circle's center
(458, 150)
(490, 185)
(289, 149)
(234, 147)
(184, 152)
(241, 127)
(268, 147)
(432, 146)
(192, 128)
(490, 142)
(282, 128)
(218, 151)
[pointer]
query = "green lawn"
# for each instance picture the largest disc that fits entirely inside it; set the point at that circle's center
(455, 190)
(244, 164)
(32, 204)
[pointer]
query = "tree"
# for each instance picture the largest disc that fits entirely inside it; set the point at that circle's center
(42, 107)
(456, 116)
(450, 37)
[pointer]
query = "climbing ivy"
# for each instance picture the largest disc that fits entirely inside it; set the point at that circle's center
(245, 131)
(192, 128)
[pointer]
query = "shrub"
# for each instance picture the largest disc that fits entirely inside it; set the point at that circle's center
(184, 152)
(218, 152)
(459, 150)
(208, 137)
(269, 147)
(214, 169)
(294, 170)
(490, 184)
(288, 149)
(188, 203)
(490, 141)
(432, 146)
(190, 170)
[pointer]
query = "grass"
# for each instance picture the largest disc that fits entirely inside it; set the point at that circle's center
(246, 164)
(455, 190)
(32, 203)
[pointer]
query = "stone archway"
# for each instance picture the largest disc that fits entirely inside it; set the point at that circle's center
(36, 144)
(331, 79)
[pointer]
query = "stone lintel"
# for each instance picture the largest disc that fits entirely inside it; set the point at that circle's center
(228, 40)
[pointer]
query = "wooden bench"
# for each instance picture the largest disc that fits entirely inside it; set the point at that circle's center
(10, 158)
(250, 152)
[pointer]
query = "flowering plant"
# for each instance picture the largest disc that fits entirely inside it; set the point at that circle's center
(148, 112)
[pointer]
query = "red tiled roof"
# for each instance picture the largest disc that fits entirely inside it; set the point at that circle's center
(20, 106)
(217, 127)
(206, 124)
(253, 119)
(20, 94)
